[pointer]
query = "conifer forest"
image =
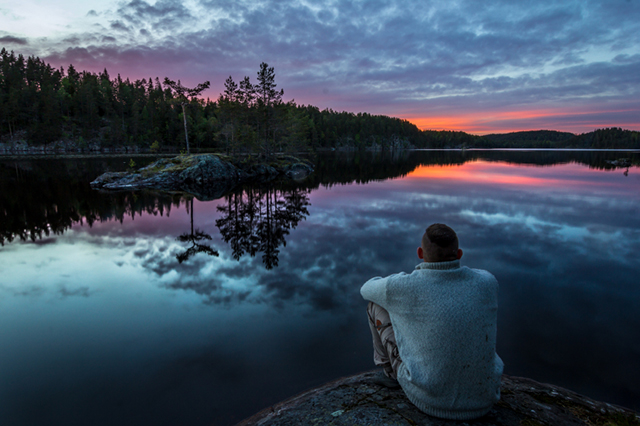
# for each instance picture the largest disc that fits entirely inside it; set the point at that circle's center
(40, 104)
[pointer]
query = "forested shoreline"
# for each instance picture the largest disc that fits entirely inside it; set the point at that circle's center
(80, 111)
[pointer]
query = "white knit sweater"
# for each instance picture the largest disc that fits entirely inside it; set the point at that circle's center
(444, 319)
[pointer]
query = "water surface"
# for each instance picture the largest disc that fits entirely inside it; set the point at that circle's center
(119, 309)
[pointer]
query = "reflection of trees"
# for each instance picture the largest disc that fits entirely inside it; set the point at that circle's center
(257, 220)
(194, 238)
(39, 198)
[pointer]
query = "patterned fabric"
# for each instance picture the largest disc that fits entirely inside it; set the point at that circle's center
(385, 349)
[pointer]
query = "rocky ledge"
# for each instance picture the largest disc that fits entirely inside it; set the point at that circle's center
(357, 400)
(207, 176)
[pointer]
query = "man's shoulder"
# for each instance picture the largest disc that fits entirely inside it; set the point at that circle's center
(484, 279)
(420, 276)
(482, 273)
(462, 274)
(378, 282)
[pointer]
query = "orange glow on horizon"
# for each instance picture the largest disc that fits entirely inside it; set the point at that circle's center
(482, 123)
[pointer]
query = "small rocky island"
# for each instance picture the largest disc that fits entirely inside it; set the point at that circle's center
(207, 176)
(358, 400)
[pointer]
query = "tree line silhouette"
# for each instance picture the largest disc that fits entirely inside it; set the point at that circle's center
(42, 104)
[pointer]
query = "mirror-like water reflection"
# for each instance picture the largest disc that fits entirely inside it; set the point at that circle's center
(258, 220)
(101, 323)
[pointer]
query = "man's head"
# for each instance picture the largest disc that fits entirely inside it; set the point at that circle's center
(439, 244)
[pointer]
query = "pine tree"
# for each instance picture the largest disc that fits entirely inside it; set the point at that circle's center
(268, 98)
(183, 96)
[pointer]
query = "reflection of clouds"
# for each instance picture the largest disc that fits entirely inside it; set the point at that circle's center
(28, 291)
(212, 290)
(158, 256)
(289, 287)
(566, 264)
(564, 232)
(582, 227)
(321, 282)
(568, 293)
(218, 280)
(204, 331)
(359, 231)
(565, 259)
(70, 292)
(77, 265)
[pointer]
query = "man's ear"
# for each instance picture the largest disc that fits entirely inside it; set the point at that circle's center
(459, 253)
(420, 253)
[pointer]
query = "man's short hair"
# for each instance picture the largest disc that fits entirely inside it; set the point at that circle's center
(440, 243)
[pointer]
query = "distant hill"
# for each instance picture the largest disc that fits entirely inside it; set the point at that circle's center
(542, 138)
(610, 138)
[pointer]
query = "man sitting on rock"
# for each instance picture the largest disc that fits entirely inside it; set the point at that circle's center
(434, 330)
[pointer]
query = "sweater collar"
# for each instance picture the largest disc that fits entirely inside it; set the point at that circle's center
(453, 264)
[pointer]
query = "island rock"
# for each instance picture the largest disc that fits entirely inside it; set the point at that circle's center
(207, 176)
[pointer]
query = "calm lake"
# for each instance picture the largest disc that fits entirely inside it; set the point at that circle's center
(117, 308)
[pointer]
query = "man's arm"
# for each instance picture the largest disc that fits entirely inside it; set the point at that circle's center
(375, 290)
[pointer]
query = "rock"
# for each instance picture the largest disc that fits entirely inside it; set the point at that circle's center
(357, 400)
(108, 178)
(264, 172)
(620, 162)
(206, 176)
(298, 171)
(207, 170)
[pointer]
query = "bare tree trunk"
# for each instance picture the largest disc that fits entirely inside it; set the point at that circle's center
(192, 216)
(186, 135)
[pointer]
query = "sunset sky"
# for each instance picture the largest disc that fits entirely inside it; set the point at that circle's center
(482, 67)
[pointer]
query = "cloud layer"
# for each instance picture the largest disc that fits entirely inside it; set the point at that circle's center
(493, 66)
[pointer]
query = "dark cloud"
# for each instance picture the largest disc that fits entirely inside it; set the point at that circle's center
(119, 26)
(28, 291)
(14, 40)
(163, 15)
(627, 59)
